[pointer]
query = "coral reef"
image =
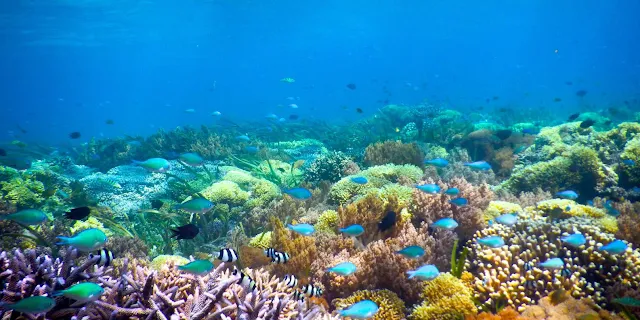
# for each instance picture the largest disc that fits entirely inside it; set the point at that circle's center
(445, 297)
(394, 152)
(391, 307)
(331, 167)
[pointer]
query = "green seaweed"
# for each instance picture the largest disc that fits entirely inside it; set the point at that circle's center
(457, 261)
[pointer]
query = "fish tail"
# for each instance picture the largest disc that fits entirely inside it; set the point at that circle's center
(135, 162)
(57, 293)
(5, 305)
(63, 241)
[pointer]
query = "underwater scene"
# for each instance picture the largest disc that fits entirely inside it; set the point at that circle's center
(238, 160)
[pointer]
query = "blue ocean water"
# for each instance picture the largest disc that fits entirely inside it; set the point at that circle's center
(69, 65)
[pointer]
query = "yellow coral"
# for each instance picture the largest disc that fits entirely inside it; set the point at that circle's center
(328, 222)
(261, 240)
(570, 208)
(91, 222)
(609, 224)
(445, 297)
(497, 208)
(390, 306)
(167, 260)
(225, 191)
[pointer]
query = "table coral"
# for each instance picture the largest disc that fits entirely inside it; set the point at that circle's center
(390, 306)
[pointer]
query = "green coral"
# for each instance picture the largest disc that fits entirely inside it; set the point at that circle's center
(378, 176)
(571, 208)
(328, 222)
(261, 191)
(167, 260)
(91, 222)
(23, 193)
(403, 194)
(279, 172)
(497, 208)
(227, 192)
(261, 240)
(630, 174)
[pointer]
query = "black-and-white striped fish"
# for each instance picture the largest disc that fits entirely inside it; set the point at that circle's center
(245, 280)
(291, 281)
(311, 291)
(106, 257)
(298, 295)
(228, 255)
(270, 252)
(280, 257)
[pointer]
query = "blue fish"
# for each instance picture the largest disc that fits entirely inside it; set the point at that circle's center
(251, 149)
(590, 203)
(445, 223)
(429, 188)
(452, 191)
(553, 263)
(460, 202)
(478, 165)
(243, 137)
(413, 252)
(574, 240)
(610, 209)
(359, 180)
(491, 241)
(615, 247)
(353, 230)
(567, 194)
(302, 228)
(635, 189)
(298, 193)
(437, 162)
(364, 309)
(344, 268)
(530, 131)
(628, 162)
(508, 219)
(426, 272)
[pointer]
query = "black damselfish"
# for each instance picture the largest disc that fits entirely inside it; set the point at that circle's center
(188, 231)
(388, 221)
(78, 213)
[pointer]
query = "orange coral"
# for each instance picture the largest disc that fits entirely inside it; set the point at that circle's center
(394, 152)
(368, 212)
(431, 207)
(301, 249)
(629, 222)
(504, 161)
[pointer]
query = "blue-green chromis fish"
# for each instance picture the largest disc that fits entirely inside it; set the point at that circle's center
(29, 217)
(359, 180)
(197, 267)
(191, 158)
(437, 162)
(83, 292)
(196, 205)
(574, 240)
(298, 193)
(615, 247)
(343, 268)
(302, 228)
(364, 309)
(87, 240)
(508, 219)
(429, 188)
(452, 191)
(478, 165)
(445, 223)
(426, 272)
(460, 202)
(154, 164)
(31, 305)
(413, 252)
(491, 241)
(353, 230)
(567, 194)
(553, 263)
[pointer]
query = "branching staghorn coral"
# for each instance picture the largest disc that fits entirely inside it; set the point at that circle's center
(431, 207)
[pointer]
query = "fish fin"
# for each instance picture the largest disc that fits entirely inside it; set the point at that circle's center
(411, 274)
